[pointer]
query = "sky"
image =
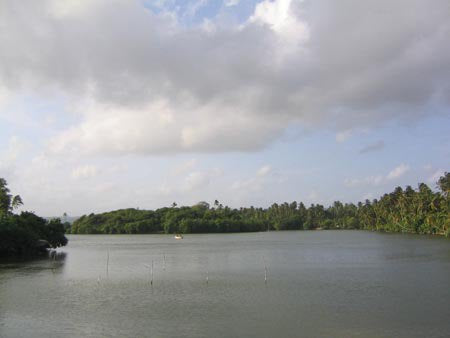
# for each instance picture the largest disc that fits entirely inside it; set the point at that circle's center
(108, 104)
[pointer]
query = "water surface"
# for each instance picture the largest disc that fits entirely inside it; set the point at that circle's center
(319, 284)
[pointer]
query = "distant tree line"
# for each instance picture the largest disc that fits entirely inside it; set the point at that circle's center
(421, 211)
(25, 233)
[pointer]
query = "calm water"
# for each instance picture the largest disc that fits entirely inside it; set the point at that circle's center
(319, 284)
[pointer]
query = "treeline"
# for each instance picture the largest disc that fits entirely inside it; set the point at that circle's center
(25, 233)
(404, 210)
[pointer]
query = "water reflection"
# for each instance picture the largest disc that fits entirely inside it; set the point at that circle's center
(319, 284)
(53, 260)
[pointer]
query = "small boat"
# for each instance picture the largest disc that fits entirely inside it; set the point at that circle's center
(178, 236)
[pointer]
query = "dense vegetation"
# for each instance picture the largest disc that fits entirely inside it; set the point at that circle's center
(413, 211)
(25, 233)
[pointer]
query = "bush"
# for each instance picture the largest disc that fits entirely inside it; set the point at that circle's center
(19, 234)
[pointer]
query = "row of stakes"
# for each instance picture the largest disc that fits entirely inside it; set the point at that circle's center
(164, 268)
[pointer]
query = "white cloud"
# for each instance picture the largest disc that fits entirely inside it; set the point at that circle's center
(255, 183)
(279, 16)
(200, 179)
(230, 3)
(377, 180)
(251, 184)
(61, 9)
(398, 171)
(85, 171)
(144, 83)
(264, 170)
(370, 180)
(164, 127)
(208, 26)
(191, 182)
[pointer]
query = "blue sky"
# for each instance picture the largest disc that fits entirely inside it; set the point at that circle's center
(113, 104)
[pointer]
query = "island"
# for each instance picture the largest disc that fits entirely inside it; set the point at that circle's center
(421, 211)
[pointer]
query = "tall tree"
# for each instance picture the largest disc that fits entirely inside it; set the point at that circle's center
(8, 202)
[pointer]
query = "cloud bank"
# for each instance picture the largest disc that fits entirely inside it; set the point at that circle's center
(141, 82)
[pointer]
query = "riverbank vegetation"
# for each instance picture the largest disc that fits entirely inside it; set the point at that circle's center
(408, 210)
(25, 233)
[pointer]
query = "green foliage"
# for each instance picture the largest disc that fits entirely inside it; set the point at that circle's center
(444, 184)
(414, 211)
(8, 202)
(19, 234)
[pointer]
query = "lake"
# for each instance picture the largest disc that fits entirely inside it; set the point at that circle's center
(318, 284)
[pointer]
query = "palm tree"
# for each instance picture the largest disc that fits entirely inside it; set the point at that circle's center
(444, 184)
(8, 202)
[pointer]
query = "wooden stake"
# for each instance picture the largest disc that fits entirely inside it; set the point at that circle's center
(265, 271)
(151, 281)
(107, 262)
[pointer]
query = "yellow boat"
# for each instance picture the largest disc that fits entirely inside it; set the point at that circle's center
(178, 236)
